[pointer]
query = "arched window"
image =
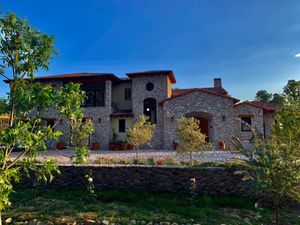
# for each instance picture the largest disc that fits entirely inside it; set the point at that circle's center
(150, 109)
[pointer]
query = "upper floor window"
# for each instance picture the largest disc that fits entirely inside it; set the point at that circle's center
(94, 98)
(149, 86)
(127, 94)
(246, 123)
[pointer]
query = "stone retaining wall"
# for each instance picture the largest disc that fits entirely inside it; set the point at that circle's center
(211, 181)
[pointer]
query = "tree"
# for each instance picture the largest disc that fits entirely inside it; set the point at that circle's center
(190, 137)
(24, 50)
(141, 133)
(292, 90)
(275, 162)
(278, 99)
(263, 96)
(81, 129)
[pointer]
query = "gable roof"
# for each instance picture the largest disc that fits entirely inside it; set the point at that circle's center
(216, 90)
(270, 107)
(182, 92)
(168, 73)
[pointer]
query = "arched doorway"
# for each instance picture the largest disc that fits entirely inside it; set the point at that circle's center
(205, 123)
(150, 109)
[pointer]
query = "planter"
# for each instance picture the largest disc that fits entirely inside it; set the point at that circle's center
(160, 162)
(222, 145)
(116, 147)
(60, 146)
(95, 146)
(123, 146)
(129, 147)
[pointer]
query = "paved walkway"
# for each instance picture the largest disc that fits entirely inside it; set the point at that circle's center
(209, 156)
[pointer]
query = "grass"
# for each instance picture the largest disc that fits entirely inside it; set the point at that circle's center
(63, 206)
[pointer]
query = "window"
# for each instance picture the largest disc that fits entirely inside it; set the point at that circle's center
(246, 123)
(127, 94)
(121, 126)
(50, 123)
(149, 86)
(150, 109)
(94, 98)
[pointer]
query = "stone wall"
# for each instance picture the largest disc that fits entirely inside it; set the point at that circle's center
(221, 111)
(210, 181)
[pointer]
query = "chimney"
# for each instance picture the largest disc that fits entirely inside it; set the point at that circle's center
(217, 83)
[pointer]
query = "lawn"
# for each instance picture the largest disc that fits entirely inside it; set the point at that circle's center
(62, 206)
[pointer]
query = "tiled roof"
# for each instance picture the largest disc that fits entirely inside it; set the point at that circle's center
(221, 90)
(262, 105)
(76, 75)
(122, 113)
(154, 72)
(212, 91)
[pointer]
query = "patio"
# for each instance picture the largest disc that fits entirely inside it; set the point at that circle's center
(63, 157)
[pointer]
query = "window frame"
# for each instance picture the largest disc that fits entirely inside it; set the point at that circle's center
(245, 128)
(127, 97)
(94, 102)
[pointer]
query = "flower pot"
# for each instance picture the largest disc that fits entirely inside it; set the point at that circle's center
(95, 146)
(160, 162)
(116, 147)
(222, 145)
(60, 146)
(129, 147)
(123, 146)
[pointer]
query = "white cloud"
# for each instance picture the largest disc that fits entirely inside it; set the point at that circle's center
(297, 55)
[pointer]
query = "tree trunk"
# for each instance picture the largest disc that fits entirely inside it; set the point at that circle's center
(191, 158)
(136, 157)
(0, 218)
(276, 215)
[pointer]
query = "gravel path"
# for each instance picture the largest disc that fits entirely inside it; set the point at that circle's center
(209, 156)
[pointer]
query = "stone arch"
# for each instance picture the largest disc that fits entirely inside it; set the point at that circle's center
(150, 109)
(205, 120)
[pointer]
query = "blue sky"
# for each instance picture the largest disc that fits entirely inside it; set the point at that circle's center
(251, 45)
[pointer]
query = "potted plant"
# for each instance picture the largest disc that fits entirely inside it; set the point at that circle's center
(60, 145)
(222, 145)
(129, 146)
(123, 146)
(175, 144)
(95, 145)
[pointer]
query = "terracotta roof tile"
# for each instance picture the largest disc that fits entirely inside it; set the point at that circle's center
(154, 72)
(180, 92)
(262, 105)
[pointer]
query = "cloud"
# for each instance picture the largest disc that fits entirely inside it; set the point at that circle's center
(297, 55)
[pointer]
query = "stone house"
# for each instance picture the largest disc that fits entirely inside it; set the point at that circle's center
(114, 104)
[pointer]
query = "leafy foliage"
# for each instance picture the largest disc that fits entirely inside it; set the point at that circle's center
(141, 133)
(275, 162)
(190, 137)
(24, 50)
(263, 96)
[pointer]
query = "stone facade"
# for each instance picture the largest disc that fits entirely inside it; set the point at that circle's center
(220, 111)
(159, 93)
(214, 181)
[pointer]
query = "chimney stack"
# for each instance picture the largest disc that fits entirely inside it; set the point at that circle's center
(217, 83)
